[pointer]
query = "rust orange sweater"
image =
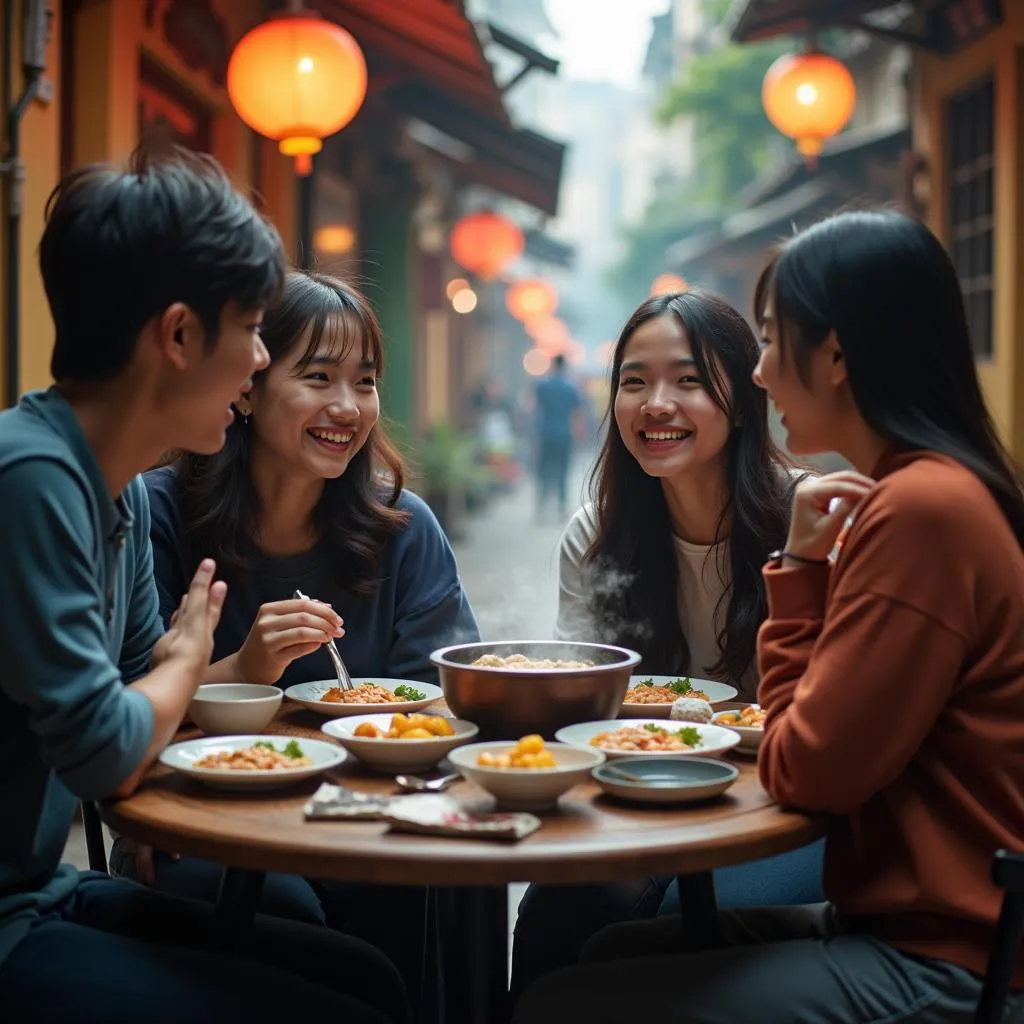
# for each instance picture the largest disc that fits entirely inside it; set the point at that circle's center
(894, 689)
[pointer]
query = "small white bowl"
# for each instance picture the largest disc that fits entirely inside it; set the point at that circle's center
(527, 789)
(750, 739)
(714, 739)
(229, 708)
(392, 756)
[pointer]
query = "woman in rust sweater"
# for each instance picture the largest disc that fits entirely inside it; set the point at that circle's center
(893, 680)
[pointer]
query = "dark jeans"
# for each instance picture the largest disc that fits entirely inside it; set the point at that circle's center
(392, 918)
(119, 953)
(775, 965)
(553, 458)
(555, 921)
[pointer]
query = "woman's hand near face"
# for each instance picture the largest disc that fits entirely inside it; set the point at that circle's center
(282, 632)
(820, 507)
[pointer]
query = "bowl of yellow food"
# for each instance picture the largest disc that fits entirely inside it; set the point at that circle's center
(528, 775)
(747, 723)
(515, 688)
(400, 743)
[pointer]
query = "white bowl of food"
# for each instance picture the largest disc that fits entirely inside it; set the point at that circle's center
(653, 696)
(527, 775)
(227, 708)
(746, 722)
(325, 697)
(252, 762)
(399, 742)
(650, 737)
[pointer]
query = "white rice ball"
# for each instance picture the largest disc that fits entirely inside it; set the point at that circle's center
(691, 709)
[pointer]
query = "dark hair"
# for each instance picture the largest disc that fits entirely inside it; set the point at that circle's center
(634, 529)
(121, 246)
(356, 513)
(558, 362)
(884, 283)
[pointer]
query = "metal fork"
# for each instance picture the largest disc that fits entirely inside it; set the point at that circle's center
(344, 679)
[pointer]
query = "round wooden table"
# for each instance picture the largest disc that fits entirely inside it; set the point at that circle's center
(591, 838)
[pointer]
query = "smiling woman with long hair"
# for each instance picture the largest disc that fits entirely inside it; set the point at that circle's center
(307, 494)
(892, 677)
(690, 493)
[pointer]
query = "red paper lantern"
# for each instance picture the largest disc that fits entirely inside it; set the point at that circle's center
(527, 299)
(297, 79)
(485, 243)
(809, 98)
(668, 284)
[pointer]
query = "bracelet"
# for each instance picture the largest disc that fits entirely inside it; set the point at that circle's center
(777, 556)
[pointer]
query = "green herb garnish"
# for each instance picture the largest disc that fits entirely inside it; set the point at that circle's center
(679, 686)
(292, 748)
(690, 735)
(409, 692)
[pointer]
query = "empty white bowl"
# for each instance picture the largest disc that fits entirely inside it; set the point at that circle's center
(384, 755)
(526, 789)
(674, 780)
(221, 709)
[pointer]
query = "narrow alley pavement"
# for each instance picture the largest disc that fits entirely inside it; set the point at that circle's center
(509, 564)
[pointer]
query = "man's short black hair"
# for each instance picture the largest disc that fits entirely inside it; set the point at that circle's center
(558, 363)
(121, 246)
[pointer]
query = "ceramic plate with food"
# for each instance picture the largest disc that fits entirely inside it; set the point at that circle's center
(252, 762)
(369, 696)
(653, 696)
(649, 737)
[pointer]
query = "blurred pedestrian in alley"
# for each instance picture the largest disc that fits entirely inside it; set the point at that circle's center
(558, 404)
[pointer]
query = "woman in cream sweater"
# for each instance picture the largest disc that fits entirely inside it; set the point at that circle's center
(690, 495)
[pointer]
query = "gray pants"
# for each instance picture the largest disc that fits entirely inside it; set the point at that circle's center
(786, 965)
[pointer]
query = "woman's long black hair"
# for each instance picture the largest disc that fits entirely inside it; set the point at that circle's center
(884, 283)
(356, 514)
(634, 595)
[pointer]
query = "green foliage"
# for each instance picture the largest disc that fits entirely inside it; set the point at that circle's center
(668, 219)
(734, 139)
(448, 460)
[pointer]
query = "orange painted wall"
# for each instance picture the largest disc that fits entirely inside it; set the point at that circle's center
(110, 37)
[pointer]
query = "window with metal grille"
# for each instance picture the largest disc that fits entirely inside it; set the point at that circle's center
(970, 117)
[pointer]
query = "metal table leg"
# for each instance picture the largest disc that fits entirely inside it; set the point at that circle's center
(237, 900)
(698, 909)
(476, 956)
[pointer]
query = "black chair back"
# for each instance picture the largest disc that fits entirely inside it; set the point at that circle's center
(94, 837)
(1008, 874)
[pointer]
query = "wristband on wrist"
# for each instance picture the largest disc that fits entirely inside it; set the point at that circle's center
(778, 556)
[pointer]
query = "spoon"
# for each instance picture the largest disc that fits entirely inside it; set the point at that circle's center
(344, 679)
(418, 785)
(621, 773)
